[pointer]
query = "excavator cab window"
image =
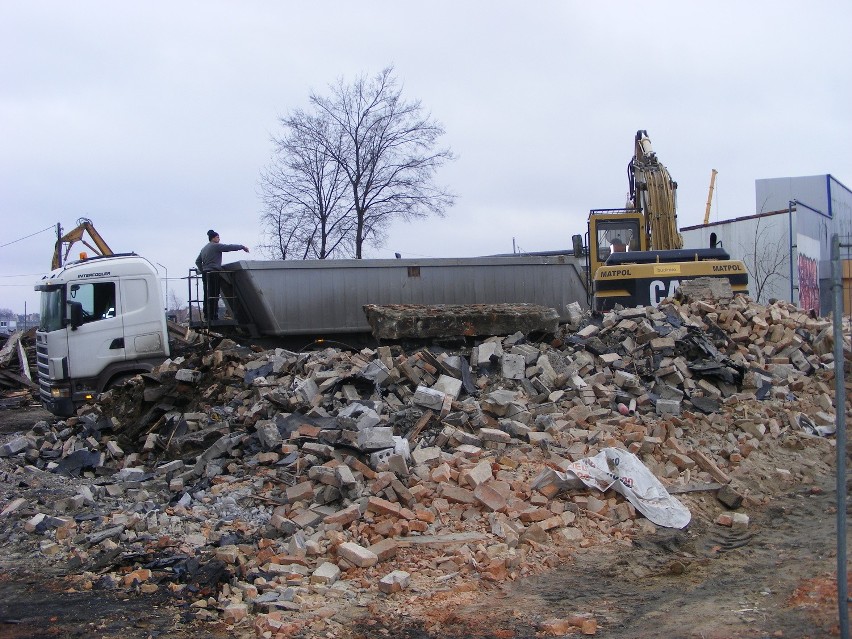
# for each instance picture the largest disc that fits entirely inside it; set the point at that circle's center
(616, 236)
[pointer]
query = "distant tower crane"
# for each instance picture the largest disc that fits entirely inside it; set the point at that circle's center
(710, 196)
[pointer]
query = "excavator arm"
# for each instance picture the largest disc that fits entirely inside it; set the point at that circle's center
(655, 193)
(64, 243)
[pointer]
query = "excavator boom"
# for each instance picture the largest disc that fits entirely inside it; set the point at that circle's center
(655, 193)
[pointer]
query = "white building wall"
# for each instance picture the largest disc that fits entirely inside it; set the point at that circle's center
(775, 194)
(762, 242)
(840, 207)
(821, 207)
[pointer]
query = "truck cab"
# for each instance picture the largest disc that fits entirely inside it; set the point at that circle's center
(101, 321)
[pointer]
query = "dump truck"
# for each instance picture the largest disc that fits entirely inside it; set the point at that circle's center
(102, 318)
(314, 297)
(636, 255)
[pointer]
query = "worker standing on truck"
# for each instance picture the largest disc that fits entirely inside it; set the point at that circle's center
(209, 263)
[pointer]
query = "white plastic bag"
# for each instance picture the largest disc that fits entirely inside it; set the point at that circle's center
(624, 472)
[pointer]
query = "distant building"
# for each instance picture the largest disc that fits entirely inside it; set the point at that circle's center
(7, 327)
(786, 244)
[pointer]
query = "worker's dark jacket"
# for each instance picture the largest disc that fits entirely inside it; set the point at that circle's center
(210, 257)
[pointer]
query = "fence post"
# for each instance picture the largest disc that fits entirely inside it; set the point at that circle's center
(840, 417)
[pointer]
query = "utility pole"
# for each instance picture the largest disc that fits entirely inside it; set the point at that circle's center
(59, 241)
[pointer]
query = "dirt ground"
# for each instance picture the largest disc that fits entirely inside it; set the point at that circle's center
(775, 579)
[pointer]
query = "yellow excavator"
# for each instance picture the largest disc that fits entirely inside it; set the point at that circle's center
(636, 255)
(77, 234)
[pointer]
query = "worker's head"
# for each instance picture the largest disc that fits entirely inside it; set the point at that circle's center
(212, 235)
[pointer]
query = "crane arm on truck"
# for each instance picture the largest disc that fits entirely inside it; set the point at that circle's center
(64, 243)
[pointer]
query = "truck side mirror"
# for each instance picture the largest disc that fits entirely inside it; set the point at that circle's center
(75, 314)
(578, 245)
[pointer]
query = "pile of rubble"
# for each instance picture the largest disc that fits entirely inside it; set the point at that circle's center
(272, 488)
(17, 364)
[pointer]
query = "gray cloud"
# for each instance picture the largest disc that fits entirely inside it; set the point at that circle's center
(154, 119)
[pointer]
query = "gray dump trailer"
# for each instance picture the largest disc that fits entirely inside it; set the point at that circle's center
(313, 297)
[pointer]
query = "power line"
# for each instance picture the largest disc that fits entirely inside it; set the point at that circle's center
(49, 228)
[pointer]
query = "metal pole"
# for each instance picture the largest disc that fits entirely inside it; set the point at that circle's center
(840, 417)
(59, 242)
(790, 220)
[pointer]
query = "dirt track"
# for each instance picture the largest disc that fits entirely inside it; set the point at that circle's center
(775, 580)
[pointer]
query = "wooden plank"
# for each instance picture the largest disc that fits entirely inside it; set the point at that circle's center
(25, 365)
(9, 348)
(706, 464)
(692, 488)
(20, 380)
(419, 426)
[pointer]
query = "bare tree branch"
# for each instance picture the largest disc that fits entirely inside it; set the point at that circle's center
(766, 261)
(385, 146)
(303, 191)
(341, 173)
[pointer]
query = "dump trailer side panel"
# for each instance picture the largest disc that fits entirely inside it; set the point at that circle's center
(287, 297)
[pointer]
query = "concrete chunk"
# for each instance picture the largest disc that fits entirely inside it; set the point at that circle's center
(327, 573)
(513, 366)
(429, 455)
(357, 555)
(378, 438)
(394, 582)
(429, 398)
(448, 385)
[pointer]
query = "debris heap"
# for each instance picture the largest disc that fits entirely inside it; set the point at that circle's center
(271, 488)
(17, 368)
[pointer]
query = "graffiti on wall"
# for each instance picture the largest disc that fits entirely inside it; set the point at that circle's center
(808, 273)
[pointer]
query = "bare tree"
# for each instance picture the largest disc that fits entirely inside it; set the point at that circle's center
(382, 147)
(176, 307)
(767, 261)
(7, 313)
(175, 302)
(303, 191)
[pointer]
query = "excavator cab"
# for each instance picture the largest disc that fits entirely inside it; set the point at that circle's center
(614, 231)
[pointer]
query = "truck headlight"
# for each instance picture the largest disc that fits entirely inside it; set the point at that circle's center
(60, 393)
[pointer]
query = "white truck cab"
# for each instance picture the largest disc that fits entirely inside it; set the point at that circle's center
(102, 320)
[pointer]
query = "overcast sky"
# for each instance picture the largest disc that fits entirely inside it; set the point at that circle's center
(154, 118)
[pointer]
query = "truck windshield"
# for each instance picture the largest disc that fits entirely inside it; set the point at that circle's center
(51, 309)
